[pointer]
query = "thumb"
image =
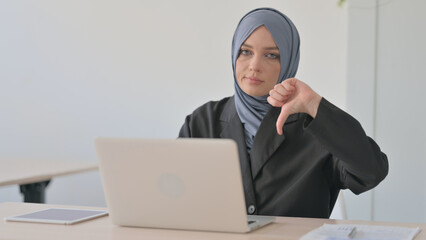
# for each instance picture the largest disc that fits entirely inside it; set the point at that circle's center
(281, 119)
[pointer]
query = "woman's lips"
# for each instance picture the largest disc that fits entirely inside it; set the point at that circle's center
(254, 80)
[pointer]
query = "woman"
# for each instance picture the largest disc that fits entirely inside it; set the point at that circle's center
(297, 150)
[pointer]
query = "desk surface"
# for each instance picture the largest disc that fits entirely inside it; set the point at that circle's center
(17, 171)
(102, 228)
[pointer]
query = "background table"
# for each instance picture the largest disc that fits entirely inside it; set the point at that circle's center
(34, 175)
(102, 228)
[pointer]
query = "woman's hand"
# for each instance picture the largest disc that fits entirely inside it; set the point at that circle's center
(293, 96)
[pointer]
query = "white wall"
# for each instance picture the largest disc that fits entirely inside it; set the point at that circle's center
(386, 87)
(73, 70)
(401, 114)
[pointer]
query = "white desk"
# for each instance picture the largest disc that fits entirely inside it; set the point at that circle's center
(101, 228)
(33, 175)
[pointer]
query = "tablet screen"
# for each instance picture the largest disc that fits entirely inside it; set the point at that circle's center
(58, 215)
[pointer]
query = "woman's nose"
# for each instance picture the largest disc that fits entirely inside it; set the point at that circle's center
(255, 64)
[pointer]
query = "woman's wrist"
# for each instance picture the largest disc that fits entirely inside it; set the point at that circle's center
(314, 105)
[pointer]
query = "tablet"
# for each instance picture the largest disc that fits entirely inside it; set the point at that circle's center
(58, 216)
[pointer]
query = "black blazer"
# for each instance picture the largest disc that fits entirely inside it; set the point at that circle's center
(301, 172)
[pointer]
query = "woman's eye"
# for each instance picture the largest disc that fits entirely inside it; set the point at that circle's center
(272, 56)
(245, 52)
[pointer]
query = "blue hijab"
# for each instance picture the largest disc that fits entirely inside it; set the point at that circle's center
(251, 109)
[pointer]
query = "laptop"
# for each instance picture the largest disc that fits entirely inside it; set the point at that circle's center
(190, 184)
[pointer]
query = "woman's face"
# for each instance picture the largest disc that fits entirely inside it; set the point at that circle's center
(258, 65)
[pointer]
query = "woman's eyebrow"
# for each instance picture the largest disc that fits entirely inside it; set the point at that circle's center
(265, 48)
(271, 48)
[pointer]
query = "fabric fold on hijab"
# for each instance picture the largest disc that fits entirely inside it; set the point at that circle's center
(251, 109)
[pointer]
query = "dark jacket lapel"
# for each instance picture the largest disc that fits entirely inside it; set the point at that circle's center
(267, 140)
(233, 129)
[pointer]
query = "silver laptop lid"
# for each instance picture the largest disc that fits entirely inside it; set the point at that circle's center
(173, 183)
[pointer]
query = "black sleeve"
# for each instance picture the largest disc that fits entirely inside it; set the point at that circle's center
(185, 130)
(359, 164)
(204, 122)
